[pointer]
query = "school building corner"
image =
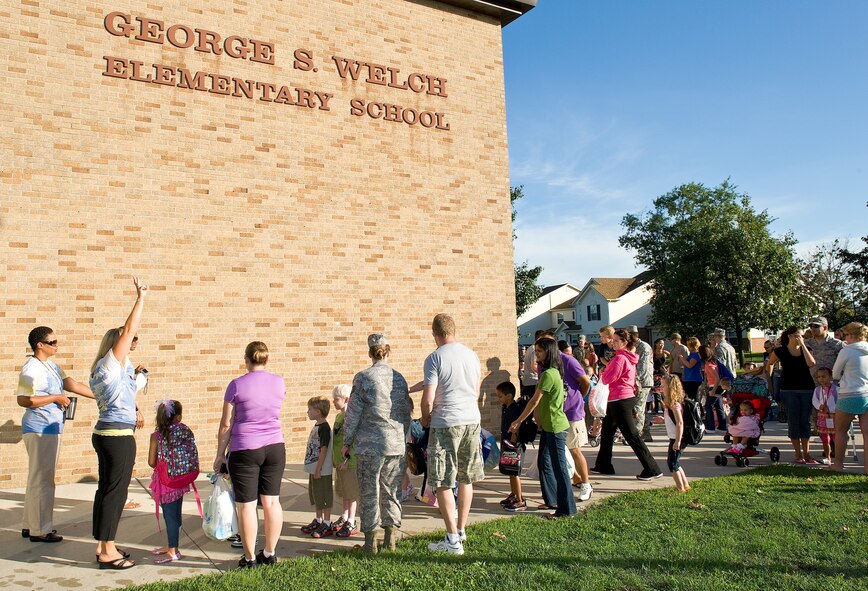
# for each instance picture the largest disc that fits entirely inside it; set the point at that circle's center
(301, 173)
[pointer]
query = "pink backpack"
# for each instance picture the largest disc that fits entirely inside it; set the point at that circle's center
(177, 466)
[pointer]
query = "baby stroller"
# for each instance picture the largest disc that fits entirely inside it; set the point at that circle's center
(761, 407)
(750, 385)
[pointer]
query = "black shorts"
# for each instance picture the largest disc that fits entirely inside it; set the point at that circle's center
(257, 472)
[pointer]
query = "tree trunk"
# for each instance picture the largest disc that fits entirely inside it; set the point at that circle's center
(738, 331)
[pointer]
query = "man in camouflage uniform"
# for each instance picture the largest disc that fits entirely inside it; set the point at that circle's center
(723, 351)
(823, 346)
(644, 382)
(377, 420)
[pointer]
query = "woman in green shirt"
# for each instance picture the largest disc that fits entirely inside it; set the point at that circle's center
(549, 397)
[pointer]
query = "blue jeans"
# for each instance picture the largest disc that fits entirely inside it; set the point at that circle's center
(554, 480)
(799, 406)
(714, 407)
(172, 517)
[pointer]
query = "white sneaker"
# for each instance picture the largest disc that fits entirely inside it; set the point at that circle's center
(585, 491)
(462, 536)
(444, 546)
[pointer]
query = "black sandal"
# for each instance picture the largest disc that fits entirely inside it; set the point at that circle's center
(124, 553)
(49, 538)
(119, 564)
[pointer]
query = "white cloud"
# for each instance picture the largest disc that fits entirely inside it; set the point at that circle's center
(572, 159)
(803, 249)
(572, 249)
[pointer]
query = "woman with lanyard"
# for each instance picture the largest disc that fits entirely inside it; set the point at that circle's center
(40, 390)
(113, 381)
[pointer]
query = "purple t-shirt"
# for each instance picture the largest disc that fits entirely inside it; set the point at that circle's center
(574, 404)
(257, 397)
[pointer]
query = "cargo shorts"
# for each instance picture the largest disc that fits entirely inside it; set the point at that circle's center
(455, 453)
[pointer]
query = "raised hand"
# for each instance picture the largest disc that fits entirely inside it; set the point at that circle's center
(141, 288)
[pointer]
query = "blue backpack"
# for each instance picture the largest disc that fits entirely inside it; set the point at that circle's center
(724, 373)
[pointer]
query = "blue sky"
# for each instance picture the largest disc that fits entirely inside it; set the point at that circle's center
(613, 103)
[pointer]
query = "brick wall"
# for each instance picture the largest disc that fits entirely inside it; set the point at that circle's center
(304, 228)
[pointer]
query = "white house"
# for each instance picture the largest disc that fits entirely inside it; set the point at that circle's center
(553, 309)
(619, 301)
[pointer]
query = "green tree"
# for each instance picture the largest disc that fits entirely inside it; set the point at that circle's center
(857, 262)
(833, 285)
(714, 262)
(527, 290)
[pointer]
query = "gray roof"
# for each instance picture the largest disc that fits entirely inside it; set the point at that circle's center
(505, 10)
(550, 288)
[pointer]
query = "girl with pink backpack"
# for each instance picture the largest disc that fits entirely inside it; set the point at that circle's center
(175, 460)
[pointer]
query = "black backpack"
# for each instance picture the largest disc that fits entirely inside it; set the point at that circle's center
(694, 429)
(417, 455)
(528, 429)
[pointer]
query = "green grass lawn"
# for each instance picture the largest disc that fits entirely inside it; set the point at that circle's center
(755, 357)
(777, 527)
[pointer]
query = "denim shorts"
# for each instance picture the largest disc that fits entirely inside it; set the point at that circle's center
(673, 457)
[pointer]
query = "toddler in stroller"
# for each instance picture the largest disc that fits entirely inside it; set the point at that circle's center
(744, 425)
(749, 413)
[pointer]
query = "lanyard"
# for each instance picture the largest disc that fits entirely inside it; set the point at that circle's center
(826, 391)
(51, 369)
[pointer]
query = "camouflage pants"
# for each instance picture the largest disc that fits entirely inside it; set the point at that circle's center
(379, 490)
(639, 411)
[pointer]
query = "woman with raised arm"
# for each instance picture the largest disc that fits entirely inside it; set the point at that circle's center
(113, 381)
(797, 389)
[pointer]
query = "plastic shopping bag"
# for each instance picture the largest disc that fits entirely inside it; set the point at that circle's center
(598, 399)
(219, 520)
(571, 463)
(529, 461)
(490, 450)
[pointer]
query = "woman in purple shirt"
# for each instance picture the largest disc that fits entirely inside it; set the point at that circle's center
(577, 384)
(251, 421)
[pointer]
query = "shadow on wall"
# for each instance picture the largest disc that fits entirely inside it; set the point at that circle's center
(10, 433)
(489, 383)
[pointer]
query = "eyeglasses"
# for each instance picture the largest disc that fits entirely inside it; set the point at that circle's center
(50, 343)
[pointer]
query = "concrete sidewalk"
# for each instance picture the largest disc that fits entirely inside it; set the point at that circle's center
(70, 564)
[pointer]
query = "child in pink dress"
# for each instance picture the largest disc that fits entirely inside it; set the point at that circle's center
(825, 401)
(743, 427)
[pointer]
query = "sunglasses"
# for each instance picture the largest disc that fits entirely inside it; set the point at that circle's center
(50, 343)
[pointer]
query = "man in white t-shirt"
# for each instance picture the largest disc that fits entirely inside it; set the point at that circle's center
(40, 391)
(449, 405)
